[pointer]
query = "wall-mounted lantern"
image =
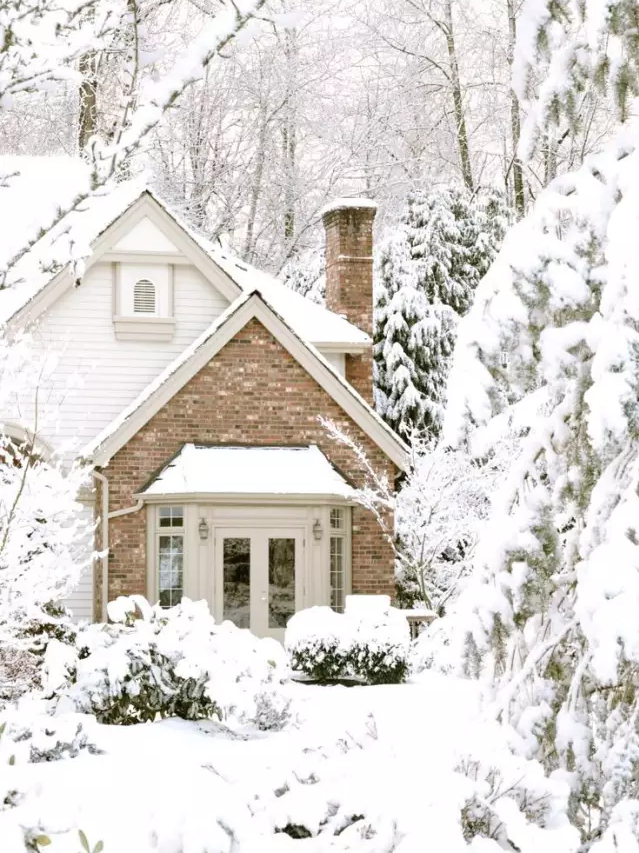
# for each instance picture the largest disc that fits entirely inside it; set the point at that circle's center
(203, 529)
(318, 530)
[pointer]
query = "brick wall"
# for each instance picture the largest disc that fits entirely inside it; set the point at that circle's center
(252, 392)
(349, 281)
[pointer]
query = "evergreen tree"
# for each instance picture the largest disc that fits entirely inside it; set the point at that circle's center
(427, 271)
(550, 617)
(306, 274)
(565, 47)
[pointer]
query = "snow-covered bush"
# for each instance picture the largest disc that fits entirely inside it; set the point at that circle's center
(23, 647)
(329, 646)
(151, 662)
(37, 737)
(319, 642)
(380, 649)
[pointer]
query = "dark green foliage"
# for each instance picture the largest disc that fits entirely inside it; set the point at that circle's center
(327, 662)
(427, 272)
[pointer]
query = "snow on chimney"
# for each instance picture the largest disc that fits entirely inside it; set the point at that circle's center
(349, 277)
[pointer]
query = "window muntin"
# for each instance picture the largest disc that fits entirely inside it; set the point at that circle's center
(171, 516)
(337, 559)
(144, 297)
(170, 555)
(170, 569)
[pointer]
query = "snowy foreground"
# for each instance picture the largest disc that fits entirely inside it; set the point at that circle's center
(370, 769)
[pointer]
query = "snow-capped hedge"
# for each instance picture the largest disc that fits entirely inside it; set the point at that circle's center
(149, 663)
(367, 645)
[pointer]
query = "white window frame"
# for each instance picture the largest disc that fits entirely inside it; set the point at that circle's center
(342, 534)
(188, 531)
(144, 325)
(177, 530)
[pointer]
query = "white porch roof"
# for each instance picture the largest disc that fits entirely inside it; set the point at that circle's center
(296, 471)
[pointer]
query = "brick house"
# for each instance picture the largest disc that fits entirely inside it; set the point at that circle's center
(202, 388)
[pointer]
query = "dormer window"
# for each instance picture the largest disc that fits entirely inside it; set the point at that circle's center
(144, 297)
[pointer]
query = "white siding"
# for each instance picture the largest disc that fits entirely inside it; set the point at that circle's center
(109, 373)
(98, 375)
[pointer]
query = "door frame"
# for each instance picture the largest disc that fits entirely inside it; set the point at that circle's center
(199, 554)
(259, 586)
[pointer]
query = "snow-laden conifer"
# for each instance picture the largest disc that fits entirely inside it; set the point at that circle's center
(427, 272)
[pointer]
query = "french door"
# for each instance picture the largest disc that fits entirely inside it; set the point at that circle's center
(258, 576)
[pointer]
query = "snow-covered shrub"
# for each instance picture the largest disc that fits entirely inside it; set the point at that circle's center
(329, 646)
(319, 642)
(22, 650)
(380, 649)
(40, 737)
(19, 672)
(52, 621)
(272, 710)
(151, 662)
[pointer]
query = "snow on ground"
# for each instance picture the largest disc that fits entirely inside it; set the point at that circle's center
(386, 753)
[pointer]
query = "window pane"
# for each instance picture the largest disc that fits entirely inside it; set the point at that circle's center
(338, 575)
(337, 519)
(171, 516)
(170, 570)
(281, 581)
(237, 581)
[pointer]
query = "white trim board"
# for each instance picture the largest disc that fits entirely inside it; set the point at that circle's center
(182, 370)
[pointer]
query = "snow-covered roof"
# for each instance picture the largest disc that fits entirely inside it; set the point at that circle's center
(199, 470)
(37, 188)
(311, 321)
(33, 191)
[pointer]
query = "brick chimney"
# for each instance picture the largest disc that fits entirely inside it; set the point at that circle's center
(349, 277)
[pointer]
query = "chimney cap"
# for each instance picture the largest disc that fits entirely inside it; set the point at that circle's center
(349, 204)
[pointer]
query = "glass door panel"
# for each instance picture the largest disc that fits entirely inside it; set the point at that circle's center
(258, 577)
(236, 572)
(281, 581)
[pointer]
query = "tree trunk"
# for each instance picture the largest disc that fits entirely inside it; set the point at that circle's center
(458, 101)
(289, 135)
(515, 119)
(88, 115)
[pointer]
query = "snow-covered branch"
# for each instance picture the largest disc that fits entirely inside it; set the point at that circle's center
(439, 513)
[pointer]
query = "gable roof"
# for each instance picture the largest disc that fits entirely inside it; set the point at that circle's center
(33, 191)
(252, 304)
(238, 470)
(40, 186)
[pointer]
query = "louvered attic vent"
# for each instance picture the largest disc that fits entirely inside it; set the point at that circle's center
(144, 297)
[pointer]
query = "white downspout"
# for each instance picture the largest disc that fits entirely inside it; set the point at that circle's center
(106, 517)
(105, 542)
(135, 508)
